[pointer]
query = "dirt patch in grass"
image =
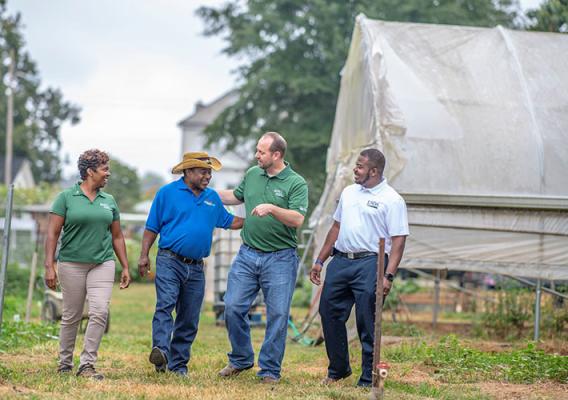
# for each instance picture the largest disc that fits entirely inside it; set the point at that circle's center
(7, 390)
(508, 391)
(416, 376)
(557, 346)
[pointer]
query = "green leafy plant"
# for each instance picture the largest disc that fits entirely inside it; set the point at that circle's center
(22, 334)
(506, 318)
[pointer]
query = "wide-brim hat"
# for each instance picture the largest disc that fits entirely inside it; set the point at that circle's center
(197, 159)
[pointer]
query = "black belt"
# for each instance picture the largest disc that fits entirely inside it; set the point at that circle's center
(183, 259)
(353, 256)
(262, 251)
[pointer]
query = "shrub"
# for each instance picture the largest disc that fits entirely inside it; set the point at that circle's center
(506, 317)
(22, 334)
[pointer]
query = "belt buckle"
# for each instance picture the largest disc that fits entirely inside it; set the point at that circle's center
(351, 256)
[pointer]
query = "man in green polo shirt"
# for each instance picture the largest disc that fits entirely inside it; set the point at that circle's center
(276, 202)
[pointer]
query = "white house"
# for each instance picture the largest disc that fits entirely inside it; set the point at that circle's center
(22, 176)
(193, 139)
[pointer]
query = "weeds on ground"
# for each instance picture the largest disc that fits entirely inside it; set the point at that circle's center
(453, 362)
(425, 390)
(401, 329)
(22, 334)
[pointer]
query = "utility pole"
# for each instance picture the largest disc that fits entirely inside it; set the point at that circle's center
(10, 121)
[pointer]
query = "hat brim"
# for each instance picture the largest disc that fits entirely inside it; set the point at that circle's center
(212, 163)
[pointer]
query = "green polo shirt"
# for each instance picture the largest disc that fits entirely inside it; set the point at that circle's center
(86, 234)
(286, 190)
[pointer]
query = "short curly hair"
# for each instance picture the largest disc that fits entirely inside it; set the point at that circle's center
(93, 159)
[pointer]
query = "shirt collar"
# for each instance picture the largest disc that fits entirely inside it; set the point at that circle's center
(282, 174)
(180, 184)
(77, 191)
(375, 189)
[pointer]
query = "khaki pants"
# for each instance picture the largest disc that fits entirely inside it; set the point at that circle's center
(77, 281)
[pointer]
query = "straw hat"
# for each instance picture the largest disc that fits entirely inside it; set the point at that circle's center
(197, 159)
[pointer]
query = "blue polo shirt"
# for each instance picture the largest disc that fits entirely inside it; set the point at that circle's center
(185, 222)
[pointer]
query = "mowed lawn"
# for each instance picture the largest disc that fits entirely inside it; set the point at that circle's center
(123, 358)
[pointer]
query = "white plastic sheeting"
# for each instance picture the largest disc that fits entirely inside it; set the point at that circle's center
(474, 125)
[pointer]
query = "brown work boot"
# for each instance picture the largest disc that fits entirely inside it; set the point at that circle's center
(229, 370)
(269, 380)
(328, 380)
(89, 371)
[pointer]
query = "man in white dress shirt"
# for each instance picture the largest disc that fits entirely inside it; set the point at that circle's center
(368, 210)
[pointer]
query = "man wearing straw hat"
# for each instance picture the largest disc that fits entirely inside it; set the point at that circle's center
(184, 214)
(368, 210)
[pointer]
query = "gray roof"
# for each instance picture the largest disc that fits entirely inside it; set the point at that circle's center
(17, 163)
(205, 114)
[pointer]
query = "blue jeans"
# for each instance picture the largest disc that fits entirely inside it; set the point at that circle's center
(182, 286)
(275, 274)
(349, 282)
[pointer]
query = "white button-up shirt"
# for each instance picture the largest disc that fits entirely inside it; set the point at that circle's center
(367, 214)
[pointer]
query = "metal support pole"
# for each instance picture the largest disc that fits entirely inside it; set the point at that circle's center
(377, 383)
(436, 300)
(10, 121)
(31, 287)
(537, 310)
(6, 248)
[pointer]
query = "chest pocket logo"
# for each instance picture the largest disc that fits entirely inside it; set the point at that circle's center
(106, 206)
(279, 193)
(209, 203)
(373, 204)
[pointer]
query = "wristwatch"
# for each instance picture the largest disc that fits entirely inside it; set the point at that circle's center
(389, 276)
(318, 262)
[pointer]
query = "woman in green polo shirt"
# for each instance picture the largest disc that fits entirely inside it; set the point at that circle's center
(91, 236)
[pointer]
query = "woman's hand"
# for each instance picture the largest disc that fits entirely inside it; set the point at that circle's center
(124, 278)
(50, 277)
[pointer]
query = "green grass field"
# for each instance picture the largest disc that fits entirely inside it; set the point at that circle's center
(422, 367)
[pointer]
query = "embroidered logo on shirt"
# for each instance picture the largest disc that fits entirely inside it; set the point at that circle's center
(279, 193)
(373, 204)
(106, 206)
(209, 203)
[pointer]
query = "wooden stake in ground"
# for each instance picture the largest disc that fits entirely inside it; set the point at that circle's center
(377, 385)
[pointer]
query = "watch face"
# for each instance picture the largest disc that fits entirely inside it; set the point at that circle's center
(389, 277)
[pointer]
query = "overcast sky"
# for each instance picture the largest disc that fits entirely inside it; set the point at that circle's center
(136, 67)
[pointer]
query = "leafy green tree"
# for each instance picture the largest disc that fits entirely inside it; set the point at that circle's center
(123, 184)
(38, 113)
(150, 183)
(294, 51)
(551, 16)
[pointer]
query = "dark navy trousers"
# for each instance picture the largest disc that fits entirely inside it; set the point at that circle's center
(349, 282)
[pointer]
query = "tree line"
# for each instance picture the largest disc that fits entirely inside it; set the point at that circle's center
(293, 51)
